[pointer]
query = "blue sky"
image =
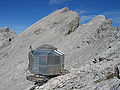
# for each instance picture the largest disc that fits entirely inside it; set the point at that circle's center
(20, 14)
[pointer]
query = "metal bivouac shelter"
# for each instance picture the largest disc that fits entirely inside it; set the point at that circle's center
(45, 60)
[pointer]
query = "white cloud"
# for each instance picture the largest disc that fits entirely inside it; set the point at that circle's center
(84, 19)
(117, 19)
(80, 12)
(17, 28)
(112, 13)
(52, 2)
(84, 16)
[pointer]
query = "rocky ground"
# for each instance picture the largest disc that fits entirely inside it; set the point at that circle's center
(91, 52)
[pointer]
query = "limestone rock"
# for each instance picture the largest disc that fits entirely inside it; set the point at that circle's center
(4, 29)
(91, 38)
(6, 36)
(118, 28)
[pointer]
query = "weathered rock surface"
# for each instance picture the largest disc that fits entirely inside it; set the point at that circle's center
(6, 36)
(87, 77)
(87, 41)
(118, 28)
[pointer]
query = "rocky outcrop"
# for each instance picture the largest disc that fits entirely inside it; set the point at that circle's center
(87, 77)
(6, 36)
(4, 29)
(118, 28)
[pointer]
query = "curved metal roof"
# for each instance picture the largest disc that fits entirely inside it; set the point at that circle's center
(46, 46)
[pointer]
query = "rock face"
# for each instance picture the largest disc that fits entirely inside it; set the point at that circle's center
(92, 51)
(118, 28)
(6, 36)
